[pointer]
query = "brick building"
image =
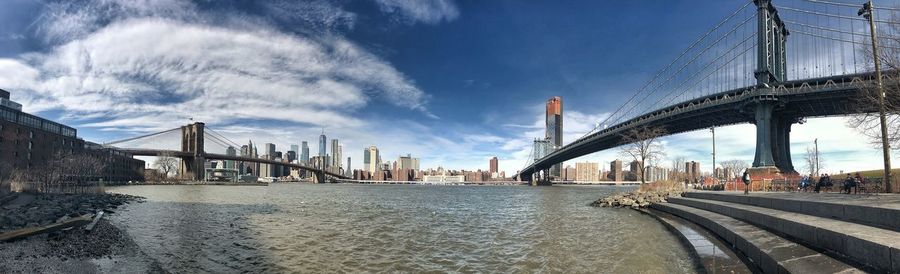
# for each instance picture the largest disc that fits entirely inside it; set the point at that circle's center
(28, 142)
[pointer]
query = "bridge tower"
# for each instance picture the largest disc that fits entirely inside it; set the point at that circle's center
(192, 142)
(772, 126)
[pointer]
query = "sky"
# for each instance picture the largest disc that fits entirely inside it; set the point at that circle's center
(452, 82)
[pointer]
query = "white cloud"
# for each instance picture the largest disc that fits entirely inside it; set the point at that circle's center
(137, 66)
(426, 11)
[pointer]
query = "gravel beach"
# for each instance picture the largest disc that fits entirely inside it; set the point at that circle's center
(105, 249)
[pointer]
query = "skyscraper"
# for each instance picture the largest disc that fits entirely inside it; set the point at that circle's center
(322, 144)
(554, 123)
(296, 149)
(349, 170)
(494, 165)
(304, 153)
(335, 153)
(371, 159)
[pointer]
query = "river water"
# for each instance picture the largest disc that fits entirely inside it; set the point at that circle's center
(395, 228)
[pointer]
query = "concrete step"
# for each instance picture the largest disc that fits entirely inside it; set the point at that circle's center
(715, 256)
(873, 210)
(872, 246)
(769, 252)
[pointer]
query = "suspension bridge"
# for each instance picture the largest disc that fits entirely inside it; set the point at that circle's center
(766, 63)
(194, 152)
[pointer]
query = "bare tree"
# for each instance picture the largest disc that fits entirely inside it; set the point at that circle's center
(678, 168)
(643, 145)
(735, 166)
(814, 162)
(869, 123)
(166, 163)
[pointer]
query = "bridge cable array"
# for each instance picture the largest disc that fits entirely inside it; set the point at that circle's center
(830, 40)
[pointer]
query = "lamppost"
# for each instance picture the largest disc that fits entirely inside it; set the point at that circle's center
(868, 11)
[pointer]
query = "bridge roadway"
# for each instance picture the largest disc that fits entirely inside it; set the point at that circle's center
(789, 102)
(213, 156)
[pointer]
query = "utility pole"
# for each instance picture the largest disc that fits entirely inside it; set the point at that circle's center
(713, 129)
(816, 142)
(868, 11)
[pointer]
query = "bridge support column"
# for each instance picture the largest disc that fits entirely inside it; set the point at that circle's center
(319, 176)
(782, 144)
(763, 116)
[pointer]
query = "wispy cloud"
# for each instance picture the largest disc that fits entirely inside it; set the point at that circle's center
(138, 63)
(426, 11)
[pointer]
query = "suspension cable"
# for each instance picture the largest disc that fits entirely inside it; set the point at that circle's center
(694, 44)
(140, 137)
(833, 15)
(848, 5)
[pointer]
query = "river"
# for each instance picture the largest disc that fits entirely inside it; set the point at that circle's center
(395, 228)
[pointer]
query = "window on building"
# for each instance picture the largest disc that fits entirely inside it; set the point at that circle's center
(31, 134)
(30, 145)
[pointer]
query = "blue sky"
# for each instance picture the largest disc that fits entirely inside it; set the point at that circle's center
(452, 82)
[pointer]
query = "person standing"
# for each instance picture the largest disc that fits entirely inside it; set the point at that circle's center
(746, 179)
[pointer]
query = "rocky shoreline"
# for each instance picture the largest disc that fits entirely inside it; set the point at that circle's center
(636, 199)
(105, 249)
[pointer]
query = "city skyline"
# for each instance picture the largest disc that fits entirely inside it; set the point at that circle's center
(383, 37)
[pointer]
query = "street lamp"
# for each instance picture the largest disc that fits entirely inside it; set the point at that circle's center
(868, 11)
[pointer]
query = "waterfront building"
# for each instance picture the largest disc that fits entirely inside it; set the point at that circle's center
(692, 171)
(494, 165)
(28, 142)
(304, 152)
(587, 172)
(568, 174)
(371, 159)
(615, 171)
(656, 174)
(554, 129)
(636, 170)
(443, 178)
(408, 162)
(291, 156)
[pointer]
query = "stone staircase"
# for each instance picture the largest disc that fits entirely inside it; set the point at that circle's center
(800, 232)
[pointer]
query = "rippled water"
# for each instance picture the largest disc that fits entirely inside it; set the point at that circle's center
(394, 228)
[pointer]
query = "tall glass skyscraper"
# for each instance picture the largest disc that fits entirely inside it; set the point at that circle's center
(322, 146)
(304, 152)
(554, 133)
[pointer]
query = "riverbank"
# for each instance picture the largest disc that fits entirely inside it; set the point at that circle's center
(644, 196)
(105, 249)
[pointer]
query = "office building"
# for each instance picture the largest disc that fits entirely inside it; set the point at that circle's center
(348, 170)
(692, 171)
(587, 172)
(335, 153)
(568, 174)
(615, 171)
(494, 165)
(304, 152)
(636, 169)
(371, 159)
(322, 144)
(296, 149)
(554, 127)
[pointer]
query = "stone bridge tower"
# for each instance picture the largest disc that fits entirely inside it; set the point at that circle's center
(192, 142)
(773, 152)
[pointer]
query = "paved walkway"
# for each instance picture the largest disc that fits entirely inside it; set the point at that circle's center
(881, 200)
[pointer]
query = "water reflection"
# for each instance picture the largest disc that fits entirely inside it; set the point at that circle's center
(355, 228)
